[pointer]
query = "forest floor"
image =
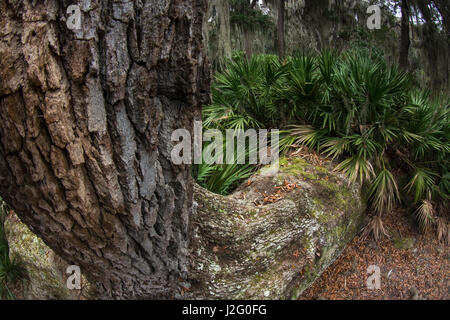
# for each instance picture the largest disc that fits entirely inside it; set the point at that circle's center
(413, 266)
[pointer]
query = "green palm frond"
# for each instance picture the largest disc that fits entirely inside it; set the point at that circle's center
(308, 135)
(356, 168)
(383, 191)
(336, 146)
(421, 183)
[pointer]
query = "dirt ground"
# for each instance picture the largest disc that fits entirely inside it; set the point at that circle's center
(413, 266)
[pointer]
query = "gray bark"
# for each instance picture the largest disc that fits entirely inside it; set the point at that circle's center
(223, 11)
(280, 28)
(404, 36)
(86, 120)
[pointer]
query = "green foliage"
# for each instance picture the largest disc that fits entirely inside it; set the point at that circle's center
(368, 115)
(223, 178)
(11, 270)
(245, 94)
(353, 107)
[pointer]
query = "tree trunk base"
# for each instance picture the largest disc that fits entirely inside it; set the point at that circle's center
(243, 248)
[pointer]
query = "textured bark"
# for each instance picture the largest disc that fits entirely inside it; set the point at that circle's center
(86, 118)
(224, 42)
(247, 43)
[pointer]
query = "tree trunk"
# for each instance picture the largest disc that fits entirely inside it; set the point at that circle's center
(443, 7)
(247, 43)
(404, 36)
(219, 47)
(240, 250)
(223, 11)
(86, 120)
(280, 28)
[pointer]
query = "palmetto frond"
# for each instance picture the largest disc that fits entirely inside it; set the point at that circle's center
(383, 191)
(336, 146)
(375, 228)
(425, 215)
(356, 168)
(308, 135)
(421, 183)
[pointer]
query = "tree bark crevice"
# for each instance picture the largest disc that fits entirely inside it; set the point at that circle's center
(88, 168)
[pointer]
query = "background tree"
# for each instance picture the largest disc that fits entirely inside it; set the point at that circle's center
(443, 6)
(434, 42)
(280, 8)
(404, 35)
(247, 16)
(280, 28)
(217, 32)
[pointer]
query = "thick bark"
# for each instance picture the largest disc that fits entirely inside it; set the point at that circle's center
(404, 36)
(86, 120)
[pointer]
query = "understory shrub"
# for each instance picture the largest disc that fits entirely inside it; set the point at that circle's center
(383, 130)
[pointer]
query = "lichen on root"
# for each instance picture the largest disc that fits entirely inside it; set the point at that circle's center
(245, 248)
